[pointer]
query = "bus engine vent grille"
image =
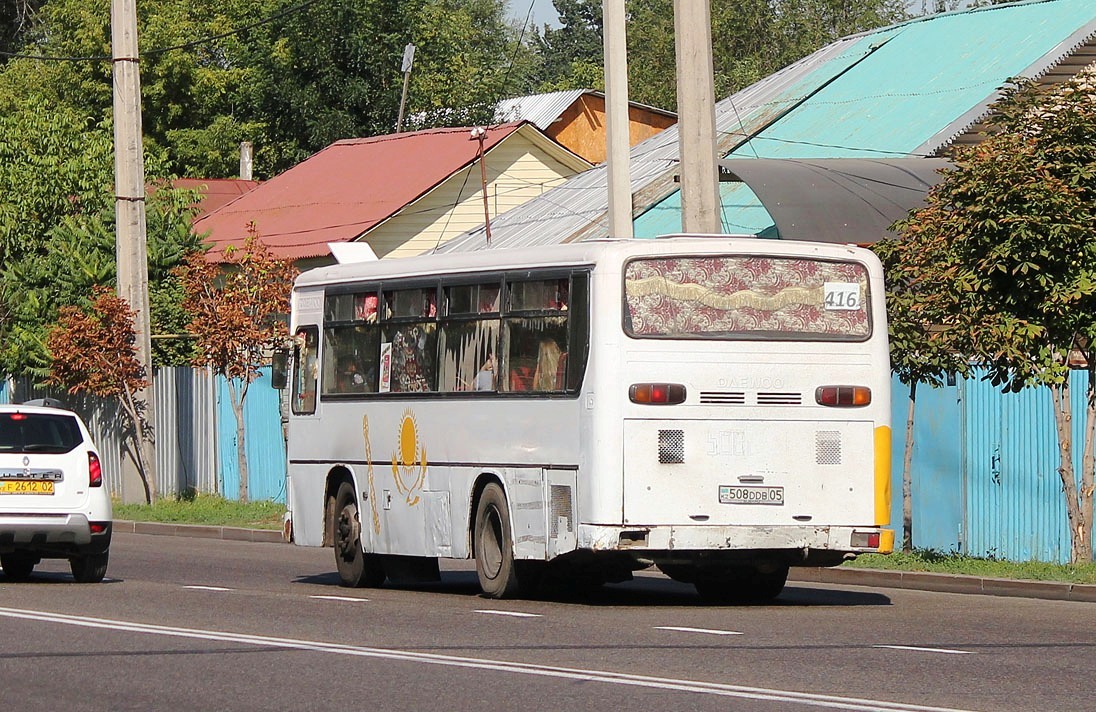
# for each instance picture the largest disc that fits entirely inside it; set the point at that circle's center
(779, 398)
(827, 447)
(723, 397)
(671, 446)
(562, 514)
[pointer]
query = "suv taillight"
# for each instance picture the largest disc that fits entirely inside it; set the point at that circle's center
(95, 471)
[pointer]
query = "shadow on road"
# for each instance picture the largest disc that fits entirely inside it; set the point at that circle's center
(646, 591)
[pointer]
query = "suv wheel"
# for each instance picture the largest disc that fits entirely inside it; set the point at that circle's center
(18, 566)
(90, 568)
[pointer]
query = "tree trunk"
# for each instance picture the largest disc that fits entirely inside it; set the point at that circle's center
(144, 450)
(1079, 527)
(241, 445)
(907, 480)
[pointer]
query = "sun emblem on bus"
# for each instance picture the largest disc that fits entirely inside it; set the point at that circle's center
(409, 460)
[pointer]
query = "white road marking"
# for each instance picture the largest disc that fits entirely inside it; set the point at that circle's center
(208, 588)
(926, 650)
(515, 614)
(341, 598)
(710, 631)
(547, 671)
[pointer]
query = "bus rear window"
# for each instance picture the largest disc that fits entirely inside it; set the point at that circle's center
(746, 297)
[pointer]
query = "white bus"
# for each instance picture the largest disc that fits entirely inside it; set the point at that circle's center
(714, 406)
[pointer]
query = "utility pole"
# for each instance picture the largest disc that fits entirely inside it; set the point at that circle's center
(696, 117)
(616, 118)
(131, 249)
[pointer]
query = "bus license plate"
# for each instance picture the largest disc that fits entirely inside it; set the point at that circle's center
(729, 494)
(26, 487)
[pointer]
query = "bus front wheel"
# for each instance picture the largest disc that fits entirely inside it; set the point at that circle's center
(498, 577)
(356, 568)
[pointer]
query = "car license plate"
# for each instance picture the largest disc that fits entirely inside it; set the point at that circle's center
(26, 487)
(730, 494)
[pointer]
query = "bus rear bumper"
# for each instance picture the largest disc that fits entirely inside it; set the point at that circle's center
(696, 538)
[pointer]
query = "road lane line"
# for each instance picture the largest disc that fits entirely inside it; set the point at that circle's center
(341, 598)
(208, 588)
(926, 650)
(710, 631)
(515, 614)
(548, 671)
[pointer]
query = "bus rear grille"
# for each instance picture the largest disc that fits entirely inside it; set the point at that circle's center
(723, 397)
(827, 447)
(562, 514)
(779, 398)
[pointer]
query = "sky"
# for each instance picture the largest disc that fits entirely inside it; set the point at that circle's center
(544, 12)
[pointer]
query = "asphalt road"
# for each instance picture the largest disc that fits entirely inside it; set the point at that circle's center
(193, 624)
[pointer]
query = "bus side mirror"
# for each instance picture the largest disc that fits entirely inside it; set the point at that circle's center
(279, 369)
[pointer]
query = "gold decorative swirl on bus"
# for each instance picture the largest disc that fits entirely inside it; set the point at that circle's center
(369, 464)
(660, 286)
(409, 461)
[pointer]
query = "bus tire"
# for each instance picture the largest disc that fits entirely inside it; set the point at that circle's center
(356, 568)
(498, 576)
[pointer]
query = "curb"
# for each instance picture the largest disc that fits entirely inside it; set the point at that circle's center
(878, 578)
(199, 531)
(948, 583)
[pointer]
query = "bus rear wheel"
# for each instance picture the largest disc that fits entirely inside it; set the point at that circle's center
(356, 568)
(498, 576)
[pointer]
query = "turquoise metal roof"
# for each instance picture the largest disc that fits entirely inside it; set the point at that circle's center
(905, 90)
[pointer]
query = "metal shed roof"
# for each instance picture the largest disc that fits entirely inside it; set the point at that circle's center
(905, 90)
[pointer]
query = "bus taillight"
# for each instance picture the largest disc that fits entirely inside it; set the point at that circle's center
(842, 396)
(657, 393)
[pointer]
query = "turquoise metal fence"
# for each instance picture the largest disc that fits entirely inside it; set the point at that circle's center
(263, 439)
(984, 470)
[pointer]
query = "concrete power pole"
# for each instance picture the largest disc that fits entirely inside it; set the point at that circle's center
(129, 209)
(617, 124)
(700, 206)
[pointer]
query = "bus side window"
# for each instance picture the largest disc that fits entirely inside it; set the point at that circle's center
(305, 371)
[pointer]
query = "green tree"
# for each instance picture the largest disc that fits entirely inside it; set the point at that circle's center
(57, 230)
(234, 313)
(572, 53)
(1012, 237)
(289, 77)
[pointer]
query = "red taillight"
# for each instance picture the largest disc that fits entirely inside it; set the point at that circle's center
(18, 416)
(865, 540)
(98, 527)
(657, 393)
(95, 471)
(842, 396)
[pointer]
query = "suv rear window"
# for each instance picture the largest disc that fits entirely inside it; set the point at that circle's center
(38, 432)
(746, 297)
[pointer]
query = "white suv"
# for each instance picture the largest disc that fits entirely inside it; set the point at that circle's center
(53, 500)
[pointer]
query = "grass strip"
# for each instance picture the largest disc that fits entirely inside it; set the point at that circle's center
(205, 509)
(952, 563)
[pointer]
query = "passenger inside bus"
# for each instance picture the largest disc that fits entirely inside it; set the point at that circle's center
(350, 378)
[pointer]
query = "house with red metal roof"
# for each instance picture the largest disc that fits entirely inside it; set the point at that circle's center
(403, 194)
(215, 192)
